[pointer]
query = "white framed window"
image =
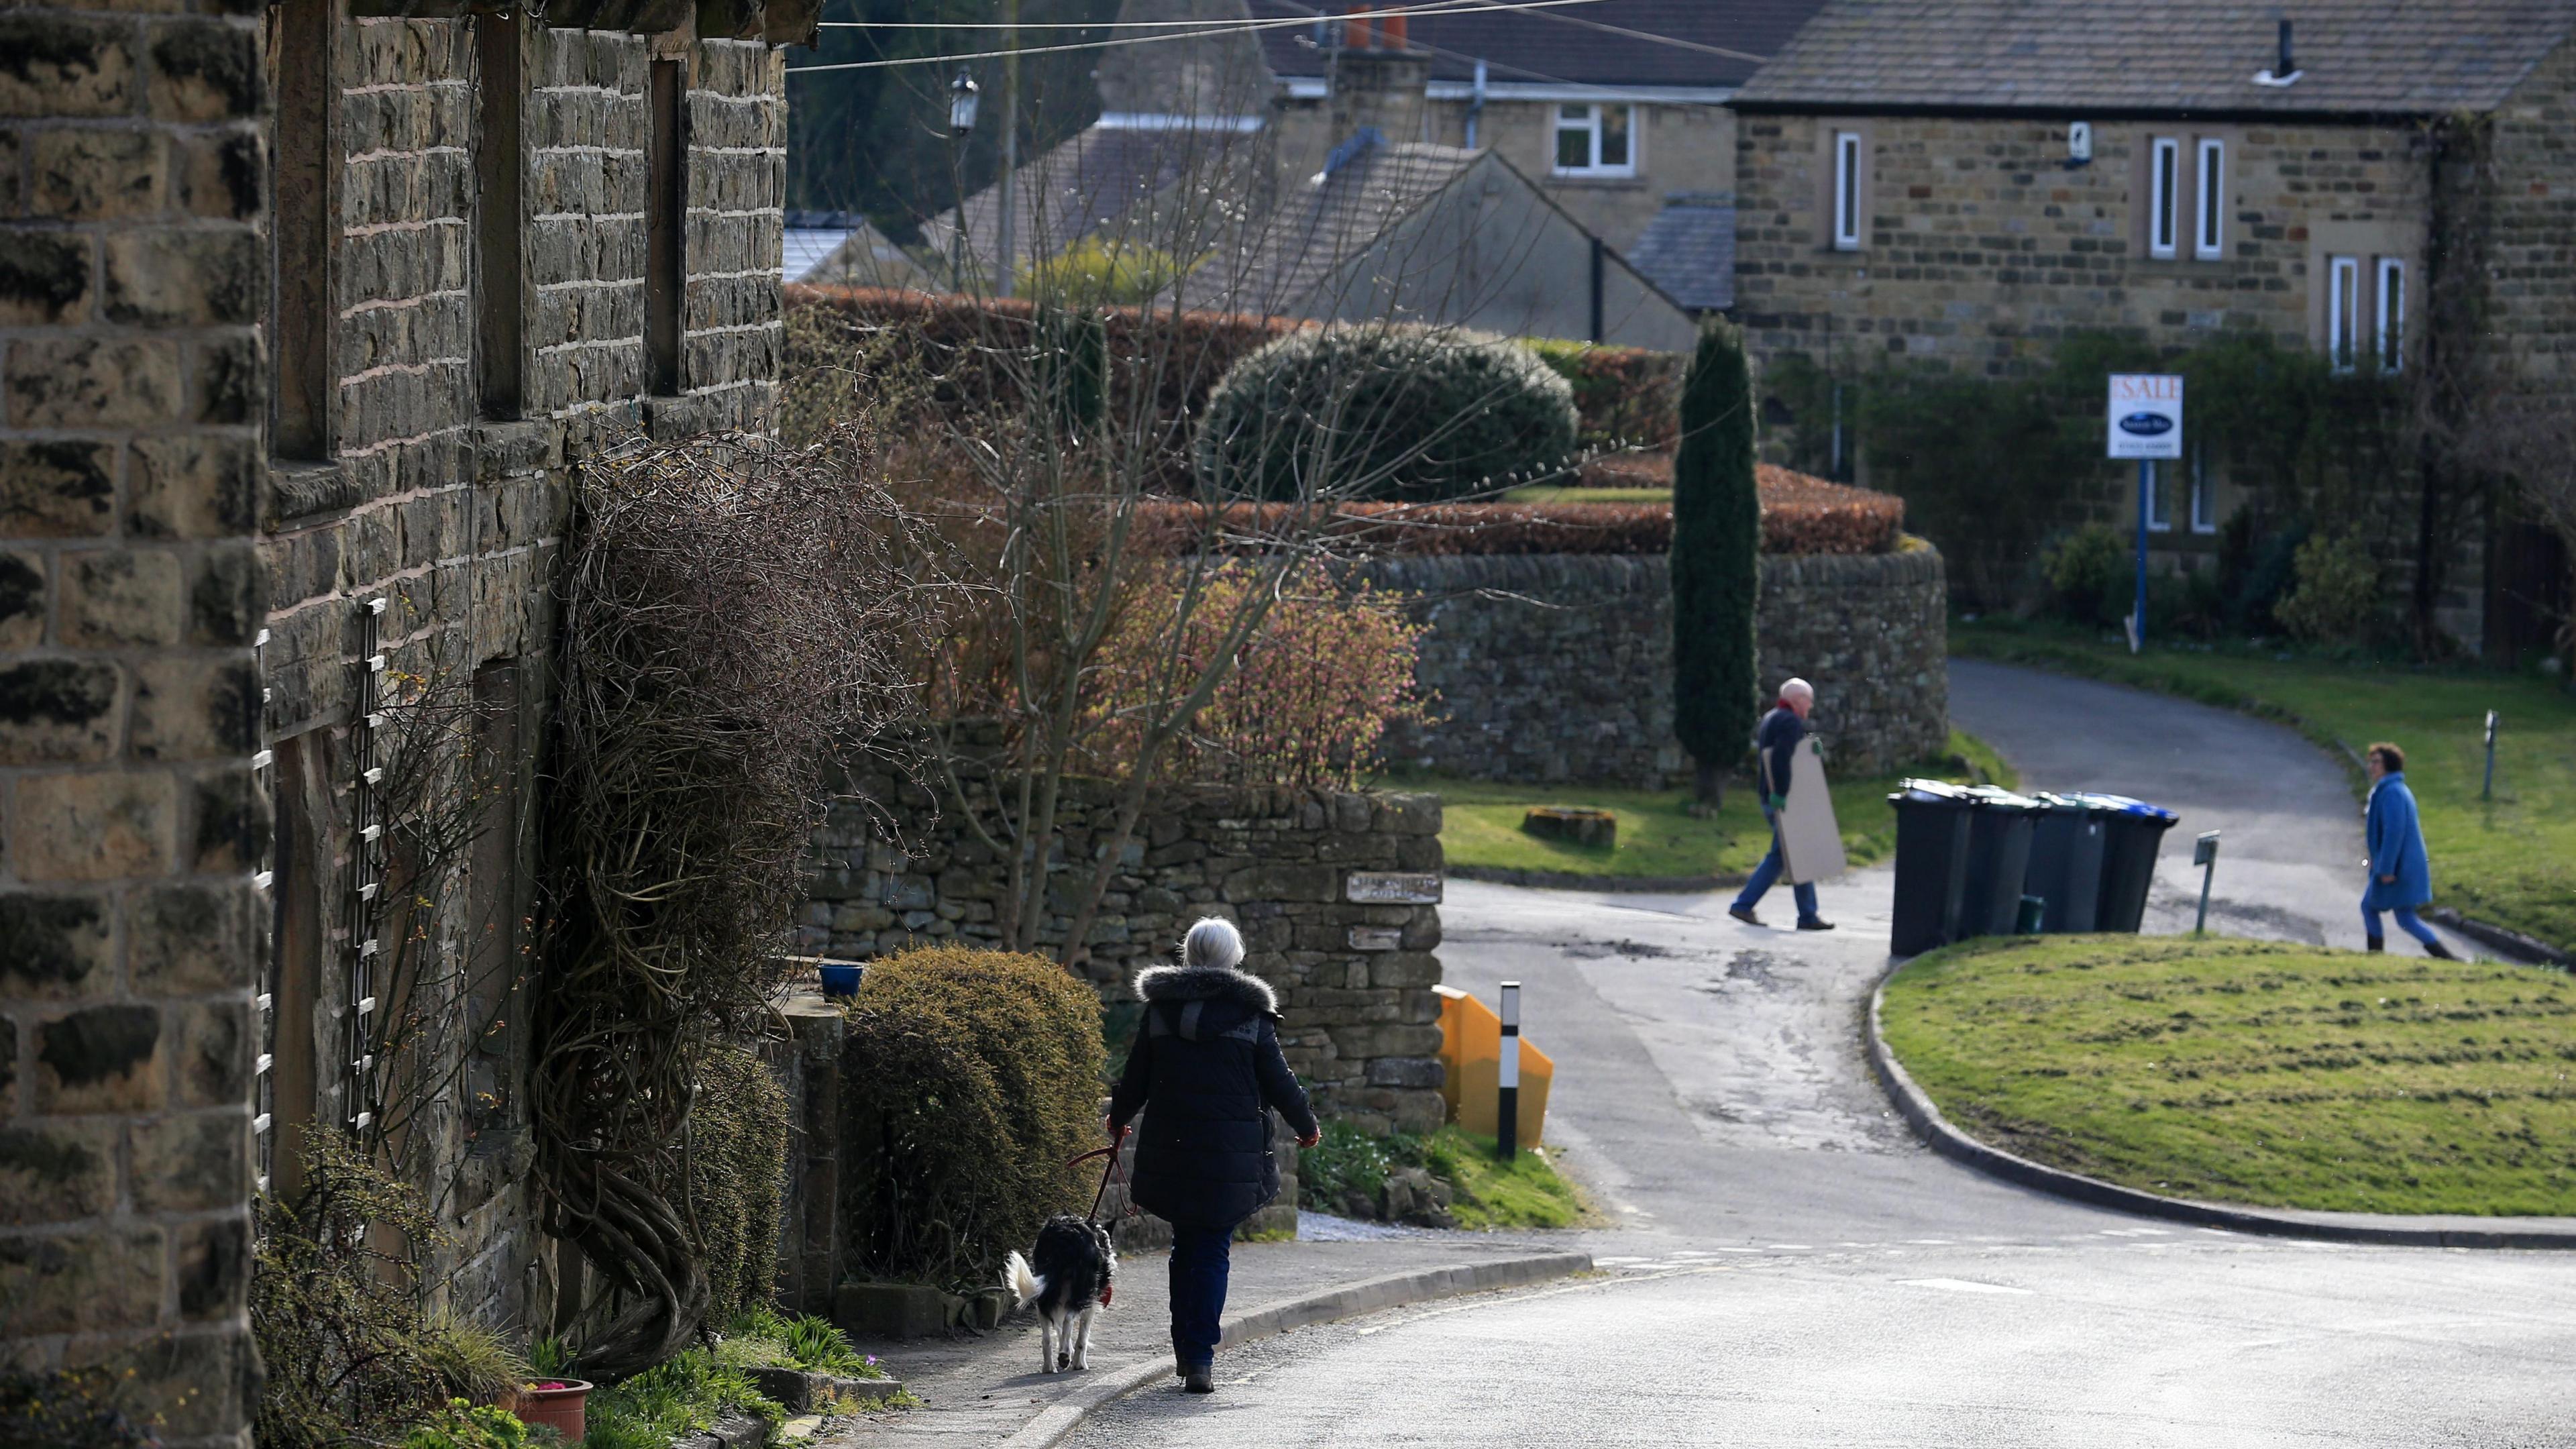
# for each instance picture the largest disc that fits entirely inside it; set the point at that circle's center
(2209, 214)
(1847, 191)
(1596, 140)
(2204, 493)
(2159, 500)
(2164, 177)
(2343, 312)
(2388, 315)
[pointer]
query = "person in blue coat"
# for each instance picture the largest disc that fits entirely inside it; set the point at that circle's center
(2401, 878)
(1207, 1072)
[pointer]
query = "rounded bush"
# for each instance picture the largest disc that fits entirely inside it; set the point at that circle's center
(1409, 413)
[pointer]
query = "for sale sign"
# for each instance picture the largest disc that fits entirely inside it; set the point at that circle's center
(2146, 415)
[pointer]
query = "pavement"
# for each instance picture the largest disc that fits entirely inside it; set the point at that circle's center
(1784, 1264)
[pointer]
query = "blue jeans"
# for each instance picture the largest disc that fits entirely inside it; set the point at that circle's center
(1767, 874)
(1198, 1292)
(2405, 922)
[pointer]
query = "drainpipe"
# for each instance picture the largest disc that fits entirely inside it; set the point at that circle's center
(1476, 107)
(1597, 250)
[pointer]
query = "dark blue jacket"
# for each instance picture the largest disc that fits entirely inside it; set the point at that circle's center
(1206, 1067)
(2396, 848)
(1775, 741)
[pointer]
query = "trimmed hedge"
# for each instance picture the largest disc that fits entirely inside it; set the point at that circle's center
(1415, 412)
(737, 1165)
(1800, 515)
(1627, 397)
(974, 1076)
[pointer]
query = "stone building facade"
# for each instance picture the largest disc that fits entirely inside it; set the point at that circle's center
(1962, 186)
(1560, 666)
(309, 314)
(1337, 894)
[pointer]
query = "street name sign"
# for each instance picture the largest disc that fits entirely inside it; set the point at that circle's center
(2146, 415)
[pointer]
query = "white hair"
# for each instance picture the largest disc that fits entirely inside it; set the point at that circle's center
(1796, 686)
(1213, 942)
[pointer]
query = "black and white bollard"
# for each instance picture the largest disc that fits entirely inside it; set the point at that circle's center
(1507, 1076)
(2486, 790)
(2204, 853)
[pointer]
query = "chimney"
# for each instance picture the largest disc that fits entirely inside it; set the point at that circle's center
(2283, 66)
(1378, 80)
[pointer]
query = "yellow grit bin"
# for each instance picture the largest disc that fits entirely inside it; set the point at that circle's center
(1471, 1047)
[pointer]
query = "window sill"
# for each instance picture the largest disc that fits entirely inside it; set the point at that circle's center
(1606, 180)
(301, 489)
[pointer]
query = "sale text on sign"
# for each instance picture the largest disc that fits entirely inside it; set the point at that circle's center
(2146, 415)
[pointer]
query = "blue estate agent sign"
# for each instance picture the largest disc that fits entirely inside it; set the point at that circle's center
(2146, 415)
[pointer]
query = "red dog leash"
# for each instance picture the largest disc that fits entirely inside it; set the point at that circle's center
(1107, 1170)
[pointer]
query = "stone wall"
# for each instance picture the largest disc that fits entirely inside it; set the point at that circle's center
(131, 171)
(1337, 895)
(1559, 666)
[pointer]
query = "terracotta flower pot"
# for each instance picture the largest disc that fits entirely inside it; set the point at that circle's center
(559, 1408)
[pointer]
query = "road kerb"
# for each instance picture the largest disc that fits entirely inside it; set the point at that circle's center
(1395, 1290)
(1937, 1133)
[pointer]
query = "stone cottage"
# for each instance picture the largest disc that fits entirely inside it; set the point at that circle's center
(1959, 184)
(307, 310)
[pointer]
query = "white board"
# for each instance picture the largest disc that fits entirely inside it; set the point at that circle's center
(1811, 844)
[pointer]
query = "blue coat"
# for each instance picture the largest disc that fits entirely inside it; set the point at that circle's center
(2396, 848)
(1208, 1072)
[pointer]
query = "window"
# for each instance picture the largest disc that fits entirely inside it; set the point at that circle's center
(2159, 501)
(2164, 164)
(1847, 191)
(666, 195)
(2209, 216)
(499, 322)
(2343, 312)
(2388, 314)
(1596, 140)
(2204, 493)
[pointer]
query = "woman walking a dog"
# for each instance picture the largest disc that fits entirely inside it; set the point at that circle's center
(1207, 1064)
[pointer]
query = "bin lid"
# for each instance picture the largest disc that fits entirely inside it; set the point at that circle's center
(2086, 804)
(1931, 792)
(2123, 805)
(1996, 797)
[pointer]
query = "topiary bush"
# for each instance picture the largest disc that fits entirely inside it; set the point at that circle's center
(1411, 413)
(736, 1188)
(975, 1075)
(2337, 600)
(1716, 559)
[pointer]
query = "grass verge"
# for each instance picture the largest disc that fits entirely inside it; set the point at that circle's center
(2510, 860)
(2254, 1072)
(1658, 837)
(1527, 1192)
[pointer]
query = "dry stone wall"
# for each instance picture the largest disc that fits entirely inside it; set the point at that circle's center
(1337, 894)
(1559, 666)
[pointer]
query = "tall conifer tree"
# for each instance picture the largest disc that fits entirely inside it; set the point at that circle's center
(1716, 561)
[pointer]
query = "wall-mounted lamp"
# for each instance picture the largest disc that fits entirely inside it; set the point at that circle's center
(961, 104)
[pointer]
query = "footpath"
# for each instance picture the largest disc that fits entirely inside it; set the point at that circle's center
(987, 1390)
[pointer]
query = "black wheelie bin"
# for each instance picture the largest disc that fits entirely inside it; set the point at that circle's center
(2133, 832)
(1999, 831)
(1931, 864)
(2066, 861)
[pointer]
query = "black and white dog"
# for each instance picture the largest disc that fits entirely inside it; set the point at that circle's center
(1070, 1283)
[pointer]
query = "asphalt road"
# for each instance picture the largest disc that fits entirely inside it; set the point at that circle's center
(1784, 1265)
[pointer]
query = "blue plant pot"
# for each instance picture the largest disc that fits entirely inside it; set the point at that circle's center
(841, 979)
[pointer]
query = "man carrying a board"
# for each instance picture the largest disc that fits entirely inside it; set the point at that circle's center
(1775, 743)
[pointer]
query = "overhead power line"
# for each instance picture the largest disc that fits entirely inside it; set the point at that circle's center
(1441, 7)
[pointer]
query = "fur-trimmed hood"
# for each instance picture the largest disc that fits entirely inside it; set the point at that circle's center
(1207, 983)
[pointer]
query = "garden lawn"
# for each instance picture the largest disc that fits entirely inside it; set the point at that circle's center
(2510, 860)
(1658, 838)
(1571, 493)
(2253, 1071)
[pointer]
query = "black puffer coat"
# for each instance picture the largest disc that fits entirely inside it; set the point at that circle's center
(1207, 1066)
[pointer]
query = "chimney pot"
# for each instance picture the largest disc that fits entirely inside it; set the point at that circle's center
(2283, 66)
(1391, 30)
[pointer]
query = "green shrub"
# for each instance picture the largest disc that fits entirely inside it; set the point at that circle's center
(1485, 1192)
(980, 1077)
(762, 1335)
(67, 1409)
(2337, 600)
(737, 1164)
(1410, 413)
(2092, 576)
(1099, 272)
(460, 1424)
(1073, 367)
(684, 1396)
(471, 1362)
(1624, 397)
(1716, 558)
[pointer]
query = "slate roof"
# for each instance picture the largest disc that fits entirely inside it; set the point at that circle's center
(1300, 245)
(1569, 43)
(1090, 183)
(1688, 250)
(2356, 57)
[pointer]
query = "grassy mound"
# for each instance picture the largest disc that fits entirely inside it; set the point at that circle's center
(1527, 1192)
(2254, 1072)
(1480, 822)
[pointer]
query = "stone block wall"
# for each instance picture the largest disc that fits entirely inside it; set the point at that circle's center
(1337, 895)
(1559, 666)
(131, 172)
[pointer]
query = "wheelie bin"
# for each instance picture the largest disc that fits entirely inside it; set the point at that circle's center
(2066, 861)
(2133, 832)
(1999, 831)
(1931, 864)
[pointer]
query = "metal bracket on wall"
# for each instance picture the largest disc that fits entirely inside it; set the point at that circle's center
(263, 1081)
(366, 864)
